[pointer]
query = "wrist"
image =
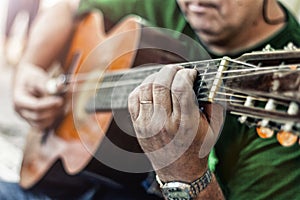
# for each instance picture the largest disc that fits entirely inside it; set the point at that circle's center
(180, 171)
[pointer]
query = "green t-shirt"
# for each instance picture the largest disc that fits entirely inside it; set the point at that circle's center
(247, 166)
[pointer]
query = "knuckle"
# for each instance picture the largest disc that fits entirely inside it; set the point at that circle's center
(145, 87)
(158, 88)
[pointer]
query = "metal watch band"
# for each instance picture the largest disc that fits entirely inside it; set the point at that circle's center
(198, 185)
(195, 187)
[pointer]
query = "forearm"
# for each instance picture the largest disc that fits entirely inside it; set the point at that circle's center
(49, 35)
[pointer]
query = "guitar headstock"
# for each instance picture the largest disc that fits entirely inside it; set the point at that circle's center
(263, 89)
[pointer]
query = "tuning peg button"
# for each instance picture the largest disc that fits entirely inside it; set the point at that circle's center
(286, 139)
(264, 132)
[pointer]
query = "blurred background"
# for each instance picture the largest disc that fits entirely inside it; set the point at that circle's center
(13, 129)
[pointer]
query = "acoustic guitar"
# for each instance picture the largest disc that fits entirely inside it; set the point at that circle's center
(262, 88)
(129, 43)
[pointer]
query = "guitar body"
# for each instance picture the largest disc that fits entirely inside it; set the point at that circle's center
(79, 135)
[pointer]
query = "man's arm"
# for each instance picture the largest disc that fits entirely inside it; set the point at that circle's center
(176, 137)
(48, 36)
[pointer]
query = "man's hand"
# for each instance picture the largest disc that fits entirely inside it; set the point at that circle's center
(174, 134)
(31, 98)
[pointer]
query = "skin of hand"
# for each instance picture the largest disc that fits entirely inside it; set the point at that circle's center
(173, 132)
(31, 98)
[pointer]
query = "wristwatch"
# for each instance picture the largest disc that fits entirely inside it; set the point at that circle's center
(177, 190)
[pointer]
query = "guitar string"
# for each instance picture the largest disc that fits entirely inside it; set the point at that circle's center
(248, 74)
(79, 78)
(111, 84)
(241, 104)
(219, 99)
(222, 97)
(238, 94)
(85, 76)
(245, 96)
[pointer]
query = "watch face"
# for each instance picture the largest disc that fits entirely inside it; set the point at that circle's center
(176, 191)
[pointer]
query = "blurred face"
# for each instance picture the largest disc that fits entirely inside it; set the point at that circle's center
(219, 21)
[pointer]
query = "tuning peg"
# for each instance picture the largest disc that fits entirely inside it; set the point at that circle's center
(286, 139)
(293, 108)
(268, 47)
(264, 132)
(248, 103)
(290, 46)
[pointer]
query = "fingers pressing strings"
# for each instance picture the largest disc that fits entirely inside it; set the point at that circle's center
(162, 88)
(183, 96)
(152, 97)
(146, 98)
(156, 90)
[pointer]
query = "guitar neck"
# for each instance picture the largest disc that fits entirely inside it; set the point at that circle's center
(114, 87)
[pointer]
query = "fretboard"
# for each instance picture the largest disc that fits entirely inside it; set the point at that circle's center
(114, 87)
